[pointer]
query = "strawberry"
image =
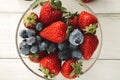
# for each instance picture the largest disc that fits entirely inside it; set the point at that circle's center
(71, 68)
(50, 65)
(56, 32)
(87, 22)
(73, 21)
(37, 57)
(51, 11)
(86, 1)
(89, 45)
(30, 20)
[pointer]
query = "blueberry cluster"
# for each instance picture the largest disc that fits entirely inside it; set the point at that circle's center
(69, 48)
(33, 43)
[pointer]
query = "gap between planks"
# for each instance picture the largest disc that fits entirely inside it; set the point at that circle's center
(99, 14)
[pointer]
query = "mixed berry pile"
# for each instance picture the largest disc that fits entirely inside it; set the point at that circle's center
(57, 39)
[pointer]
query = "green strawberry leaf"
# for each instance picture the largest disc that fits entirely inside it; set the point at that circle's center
(71, 15)
(77, 69)
(64, 10)
(53, 4)
(69, 30)
(33, 56)
(46, 72)
(91, 28)
(58, 4)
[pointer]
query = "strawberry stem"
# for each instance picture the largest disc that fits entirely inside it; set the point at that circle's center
(32, 56)
(77, 69)
(30, 19)
(46, 72)
(91, 28)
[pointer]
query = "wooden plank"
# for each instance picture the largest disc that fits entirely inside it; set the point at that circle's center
(110, 29)
(14, 5)
(105, 6)
(12, 69)
(98, 6)
(103, 70)
(8, 26)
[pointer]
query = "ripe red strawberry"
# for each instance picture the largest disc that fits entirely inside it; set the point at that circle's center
(89, 45)
(50, 65)
(30, 20)
(73, 21)
(37, 57)
(87, 22)
(56, 32)
(71, 69)
(50, 12)
(86, 1)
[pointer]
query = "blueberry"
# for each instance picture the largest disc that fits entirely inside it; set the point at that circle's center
(64, 55)
(31, 33)
(63, 46)
(76, 37)
(73, 47)
(34, 49)
(52, 48)
(31, 40)
(24, 48)
(76, 54)
(39, 26)
(23, 33)
(43, 46)
(23, 42)
(38, 38)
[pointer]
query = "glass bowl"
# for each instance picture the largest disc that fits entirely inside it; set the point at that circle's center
(73, 6)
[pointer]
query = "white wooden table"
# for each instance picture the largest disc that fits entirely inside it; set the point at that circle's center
(107, 66)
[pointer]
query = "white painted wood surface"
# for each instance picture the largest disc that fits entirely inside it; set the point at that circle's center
(107, 66)
(105, 6)
(98, 6)
(13, 69)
